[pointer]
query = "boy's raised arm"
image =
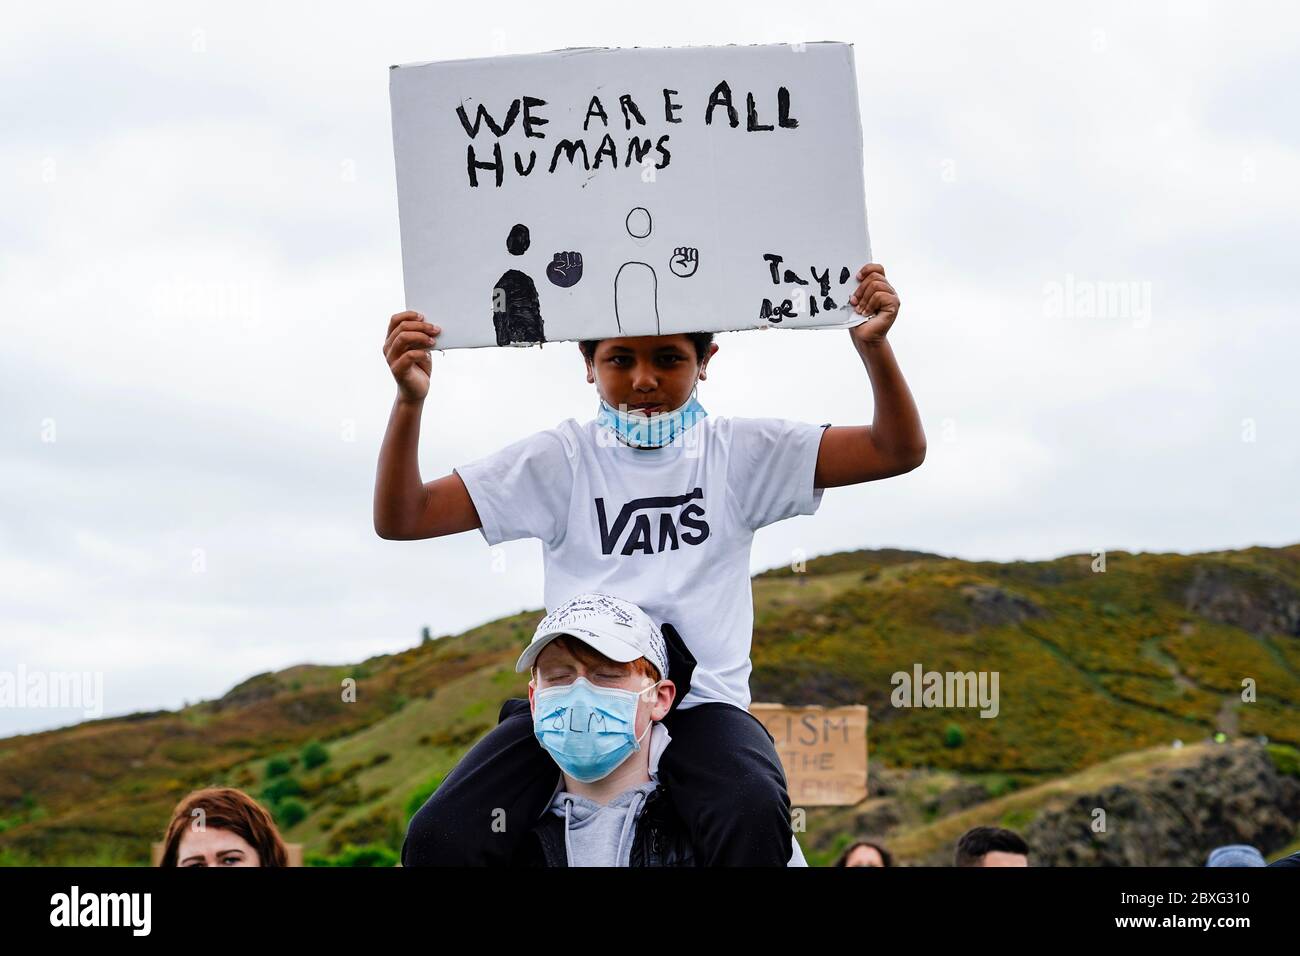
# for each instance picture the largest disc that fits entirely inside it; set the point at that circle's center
(405, 507)
(894, 442)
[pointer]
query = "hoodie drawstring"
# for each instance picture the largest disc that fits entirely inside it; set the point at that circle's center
(627, 826)
(568, 847)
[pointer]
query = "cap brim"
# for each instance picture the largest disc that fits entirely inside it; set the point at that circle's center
(615, 650)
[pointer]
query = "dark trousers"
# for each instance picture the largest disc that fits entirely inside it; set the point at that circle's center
(721, 771)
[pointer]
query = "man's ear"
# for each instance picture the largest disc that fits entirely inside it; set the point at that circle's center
(591, 374)
(664, 700)
(532, 702)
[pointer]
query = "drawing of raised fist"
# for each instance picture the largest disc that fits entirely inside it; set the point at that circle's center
(685, 260)
(565, 269)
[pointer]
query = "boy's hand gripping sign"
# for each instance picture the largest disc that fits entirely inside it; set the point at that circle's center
(592, 193)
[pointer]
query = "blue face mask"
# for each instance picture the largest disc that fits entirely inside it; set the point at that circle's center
(651, 431)
(588, 730)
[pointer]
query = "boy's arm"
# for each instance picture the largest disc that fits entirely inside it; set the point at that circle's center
(894, 442)
(405, 507)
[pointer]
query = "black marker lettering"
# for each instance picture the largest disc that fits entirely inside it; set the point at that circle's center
(519, 167)
(530, 120)
(752, 124)
(474, 165)
(595, 109)
(670, 107)
(606, 148)
(483, 116)
(721, 96)
(665, 156)
(629, 107)
(638, 147)
(783, 117)
(569, 147)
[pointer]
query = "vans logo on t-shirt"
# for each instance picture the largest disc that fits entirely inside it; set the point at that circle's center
(638, 532)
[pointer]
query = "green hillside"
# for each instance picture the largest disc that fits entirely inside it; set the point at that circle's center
(1091, 665)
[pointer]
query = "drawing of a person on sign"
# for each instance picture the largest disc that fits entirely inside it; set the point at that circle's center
(636, 284)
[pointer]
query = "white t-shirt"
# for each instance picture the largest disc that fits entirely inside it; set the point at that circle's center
(666, 528)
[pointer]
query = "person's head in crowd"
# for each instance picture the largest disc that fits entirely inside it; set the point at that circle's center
(599, 684)
(865, 853)
(222, 826)
(1235, 854)
(991, 846)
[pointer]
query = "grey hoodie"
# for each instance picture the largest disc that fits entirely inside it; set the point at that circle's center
(596, 835)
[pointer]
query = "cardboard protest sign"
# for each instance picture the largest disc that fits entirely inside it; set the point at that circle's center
(823, 751)
(590, 193)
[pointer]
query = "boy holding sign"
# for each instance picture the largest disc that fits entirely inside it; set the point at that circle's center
(657, 503)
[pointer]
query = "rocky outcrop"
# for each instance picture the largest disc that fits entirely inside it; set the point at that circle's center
(1248, 598)
(994, 607)
(985, 605)
(1174, 817)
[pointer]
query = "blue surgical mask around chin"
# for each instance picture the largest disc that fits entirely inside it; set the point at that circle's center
(588, 730)
(651, 431)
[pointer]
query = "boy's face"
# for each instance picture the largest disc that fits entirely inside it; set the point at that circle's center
(556, 667)
(647, 373)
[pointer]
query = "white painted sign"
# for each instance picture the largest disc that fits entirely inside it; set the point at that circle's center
(590, 193)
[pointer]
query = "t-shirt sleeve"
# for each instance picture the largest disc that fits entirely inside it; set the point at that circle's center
(771, 466)
(523, 490)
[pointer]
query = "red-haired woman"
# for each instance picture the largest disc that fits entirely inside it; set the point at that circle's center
(222, 826)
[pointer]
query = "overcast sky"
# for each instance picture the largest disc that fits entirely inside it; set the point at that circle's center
(199, 254)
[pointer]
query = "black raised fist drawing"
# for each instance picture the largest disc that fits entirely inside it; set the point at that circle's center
(565, 269)
(685, 260)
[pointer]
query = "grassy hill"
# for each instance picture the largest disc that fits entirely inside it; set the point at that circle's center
(1092, 666)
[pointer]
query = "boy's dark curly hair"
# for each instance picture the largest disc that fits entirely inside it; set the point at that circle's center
(701, 340)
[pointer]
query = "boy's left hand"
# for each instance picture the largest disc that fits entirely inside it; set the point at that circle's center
(874, 297)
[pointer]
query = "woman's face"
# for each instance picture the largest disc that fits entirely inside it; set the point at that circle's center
(213, 847)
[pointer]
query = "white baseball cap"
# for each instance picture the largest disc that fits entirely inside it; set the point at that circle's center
(616, 628)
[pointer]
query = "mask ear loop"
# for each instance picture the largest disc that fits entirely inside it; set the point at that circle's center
(650, 725)
(695, 389)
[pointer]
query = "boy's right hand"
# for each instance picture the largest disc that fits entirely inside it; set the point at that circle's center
(407, 350)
